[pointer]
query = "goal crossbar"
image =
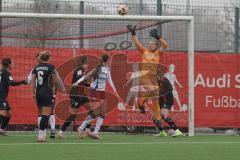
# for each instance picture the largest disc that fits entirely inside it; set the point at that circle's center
(94, 17)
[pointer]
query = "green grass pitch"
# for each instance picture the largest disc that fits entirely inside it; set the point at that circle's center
(120, 147)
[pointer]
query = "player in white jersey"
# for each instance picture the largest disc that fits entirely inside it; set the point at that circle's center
(100, 75)
(51, 117)
(170, 75)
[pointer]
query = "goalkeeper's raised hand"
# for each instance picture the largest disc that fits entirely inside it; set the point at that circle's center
(154, 33)
(132, 29)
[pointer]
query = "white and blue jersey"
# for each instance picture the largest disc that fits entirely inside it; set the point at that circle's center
(104, 75)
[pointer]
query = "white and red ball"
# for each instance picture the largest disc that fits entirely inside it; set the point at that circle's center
(123, 9)
(171, 132)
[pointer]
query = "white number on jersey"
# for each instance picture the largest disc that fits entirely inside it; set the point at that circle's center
(10, 78)
(40, 77)
(79, 73)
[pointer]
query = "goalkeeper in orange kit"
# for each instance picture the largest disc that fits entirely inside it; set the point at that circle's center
(150, 62)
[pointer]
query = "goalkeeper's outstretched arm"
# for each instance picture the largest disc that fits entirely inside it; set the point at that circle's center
(163, 43)
(132, 29)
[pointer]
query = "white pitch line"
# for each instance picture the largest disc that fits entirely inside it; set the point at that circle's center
(120, 143)
(67, 135)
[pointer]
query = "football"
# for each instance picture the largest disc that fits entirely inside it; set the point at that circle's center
(123, 9)
(171, 132)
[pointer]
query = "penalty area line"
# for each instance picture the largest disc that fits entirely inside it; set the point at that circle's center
(120, 143)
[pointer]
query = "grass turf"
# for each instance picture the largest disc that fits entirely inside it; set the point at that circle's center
(120, 147)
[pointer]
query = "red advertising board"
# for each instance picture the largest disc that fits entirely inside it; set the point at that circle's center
(217, 83)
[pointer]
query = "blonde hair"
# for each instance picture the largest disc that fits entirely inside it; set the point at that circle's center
(156, 42)
(44, 56)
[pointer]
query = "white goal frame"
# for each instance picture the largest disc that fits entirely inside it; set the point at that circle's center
(188, 19)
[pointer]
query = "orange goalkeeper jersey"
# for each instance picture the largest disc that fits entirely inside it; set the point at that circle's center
(150, 60)
(150, 57)
(147, 56)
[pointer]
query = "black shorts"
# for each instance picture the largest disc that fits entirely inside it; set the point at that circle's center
(166, 106)
(166, 101)
(4, 105)
(76, 102)
(45, 100)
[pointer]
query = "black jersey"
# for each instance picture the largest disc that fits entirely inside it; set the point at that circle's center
(5, 78)
(165, 91)
(77, 74)
(77, 93)
(44, 81)
(164, 86)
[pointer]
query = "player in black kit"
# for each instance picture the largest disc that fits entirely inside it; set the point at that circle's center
(6, 80)
(47, 78)
(52, 116)
(166, 101)
(77, 96)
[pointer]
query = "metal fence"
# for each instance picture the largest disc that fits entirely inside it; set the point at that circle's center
(216, 21)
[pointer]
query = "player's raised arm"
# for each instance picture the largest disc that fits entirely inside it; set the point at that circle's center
(132, 29)
(163, 43)
(87, 76)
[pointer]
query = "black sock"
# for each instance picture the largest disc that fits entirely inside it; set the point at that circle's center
(158, 124)
(1, 119)
(68, 121)
(5, 122)
(170, 123)
(44, 122)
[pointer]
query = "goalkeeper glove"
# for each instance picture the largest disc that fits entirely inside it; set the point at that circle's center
(154, 33)
(132, 29)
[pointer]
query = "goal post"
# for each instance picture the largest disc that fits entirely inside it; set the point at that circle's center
(190, 40)
(191, 75)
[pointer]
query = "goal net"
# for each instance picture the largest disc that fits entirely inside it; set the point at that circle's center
(70, 36)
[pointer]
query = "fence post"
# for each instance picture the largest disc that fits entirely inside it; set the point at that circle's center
(81, 25)
(236, 35)
(159, 13)
(0, 24)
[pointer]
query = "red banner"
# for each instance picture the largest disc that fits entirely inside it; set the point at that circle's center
(217, 83)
